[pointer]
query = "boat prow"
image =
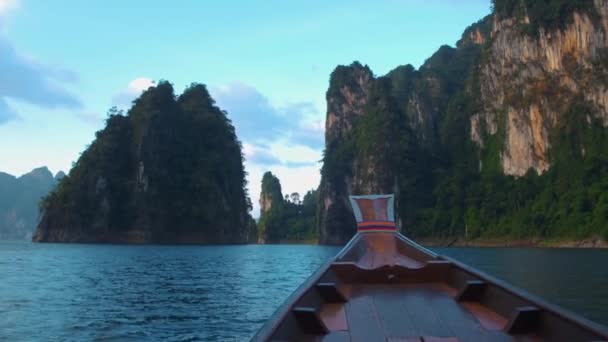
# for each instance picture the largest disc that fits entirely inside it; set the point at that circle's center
(384, 287)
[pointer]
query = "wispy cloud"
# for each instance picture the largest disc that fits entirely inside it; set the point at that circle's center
(25, 79)
(256, 119)
(6, 113)
(281, 153)
(271, 135)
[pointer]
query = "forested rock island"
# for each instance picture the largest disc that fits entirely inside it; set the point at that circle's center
(169, 171)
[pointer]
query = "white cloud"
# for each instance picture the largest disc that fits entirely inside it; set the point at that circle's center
(140, 84)
(298, 179)
(8, 5)
(260, 155)
(317, 126)
(137, 86)
(294, 154)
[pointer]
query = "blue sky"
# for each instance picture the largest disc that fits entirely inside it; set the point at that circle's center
(64, 63)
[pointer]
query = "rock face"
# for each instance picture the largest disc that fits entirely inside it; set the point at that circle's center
(494, 106)
(533, 78)
(271, 192)
(346, 98)
(271, 203)
(19, 199)
(170, 171)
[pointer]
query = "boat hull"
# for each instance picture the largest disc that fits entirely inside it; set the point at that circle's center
(385, 287)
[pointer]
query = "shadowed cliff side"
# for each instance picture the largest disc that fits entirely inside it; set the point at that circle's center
(170, 171)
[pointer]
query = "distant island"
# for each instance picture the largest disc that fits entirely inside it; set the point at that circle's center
(286, 219)
(168, 171)
(19, 200)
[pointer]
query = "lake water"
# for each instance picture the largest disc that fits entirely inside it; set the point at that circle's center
(185, 293)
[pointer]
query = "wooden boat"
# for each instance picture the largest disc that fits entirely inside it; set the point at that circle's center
(384, 287)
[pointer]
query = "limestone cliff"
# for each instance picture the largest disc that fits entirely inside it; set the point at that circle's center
(346, 98)
(521, 93)
(527, 81)
(271, 203)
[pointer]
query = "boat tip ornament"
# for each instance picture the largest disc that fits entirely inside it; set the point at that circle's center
(374, 213)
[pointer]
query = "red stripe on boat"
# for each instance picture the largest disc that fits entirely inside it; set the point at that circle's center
(377, 228)
(376, 224)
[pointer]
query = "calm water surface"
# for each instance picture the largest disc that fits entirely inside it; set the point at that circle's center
(103, 292)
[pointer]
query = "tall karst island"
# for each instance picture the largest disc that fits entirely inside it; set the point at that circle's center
(503, 136)
(170, 171)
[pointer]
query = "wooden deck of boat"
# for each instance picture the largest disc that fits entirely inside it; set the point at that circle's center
(383, 287)
(418, 312)
(405, 312)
